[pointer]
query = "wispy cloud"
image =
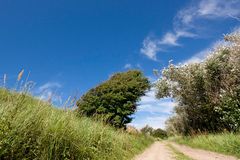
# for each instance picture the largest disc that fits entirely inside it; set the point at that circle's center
(171, 38)
(200, 56)
(128, 66)
(149, 103)
(208, 10)
(186, 23)
(219, 8)
(150, 48)
(49, 85)
(155, 111)
(132, 66)
(49, 91)
(153, 121)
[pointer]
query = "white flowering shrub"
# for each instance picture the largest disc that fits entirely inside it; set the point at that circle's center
(208, 93)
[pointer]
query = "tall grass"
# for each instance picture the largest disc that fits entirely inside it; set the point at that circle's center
(227, 143)
(32, 129)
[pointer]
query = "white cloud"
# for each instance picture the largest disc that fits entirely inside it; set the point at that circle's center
(127, 66)
(150, 48)
(149, 103)
(153, 121)
(170, 39)
(48, 91)
(155, 111)
(219, 8)
(200, 56)
(161, 107)
(132, 66)
(49, 85)
(207, 10)
(188, 21)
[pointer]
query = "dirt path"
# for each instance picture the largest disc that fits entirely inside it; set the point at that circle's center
(160, 151)
(199, 154)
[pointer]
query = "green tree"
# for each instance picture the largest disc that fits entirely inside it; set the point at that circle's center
(159, 133)
(207, 93)
(115, 100)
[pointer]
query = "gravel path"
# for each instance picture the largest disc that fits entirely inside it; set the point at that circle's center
(160, 151)
(199, 154)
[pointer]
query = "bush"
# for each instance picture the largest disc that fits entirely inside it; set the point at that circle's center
(114, 101)
(207, 93)
(159, 133)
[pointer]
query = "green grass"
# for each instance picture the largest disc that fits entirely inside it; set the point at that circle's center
(226, 143)
(32, 129)
(178, 155)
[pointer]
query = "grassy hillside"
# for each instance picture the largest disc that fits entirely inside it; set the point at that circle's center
(227, 143)
(32, 129)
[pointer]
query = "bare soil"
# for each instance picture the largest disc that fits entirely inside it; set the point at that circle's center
(199, 154)
(160, 151)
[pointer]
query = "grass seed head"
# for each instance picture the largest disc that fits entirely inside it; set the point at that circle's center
(20, 74)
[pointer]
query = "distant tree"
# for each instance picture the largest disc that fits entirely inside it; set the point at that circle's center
(159, 133)
(115, 99)
(147, 130)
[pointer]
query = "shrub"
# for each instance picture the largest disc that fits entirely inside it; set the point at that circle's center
(207, 93)
(114, 101)
(159, 133)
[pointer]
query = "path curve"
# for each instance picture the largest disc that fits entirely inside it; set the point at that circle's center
(161, 151)
(199, 154)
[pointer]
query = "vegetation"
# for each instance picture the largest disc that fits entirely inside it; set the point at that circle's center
(114, 101)
(32, 129)
(227, 143)
(207, 93)
(178, 155)
(157, 133)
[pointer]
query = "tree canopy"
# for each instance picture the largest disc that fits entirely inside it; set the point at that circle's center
(207, 93)
(115, 100)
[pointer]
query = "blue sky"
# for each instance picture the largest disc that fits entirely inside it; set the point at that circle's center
(71, 46)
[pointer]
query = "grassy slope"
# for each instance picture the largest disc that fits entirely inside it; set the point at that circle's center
(32, 129)
(226, 143)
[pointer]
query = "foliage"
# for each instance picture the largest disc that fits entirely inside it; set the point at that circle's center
(115, 100)
(207, 93)
(157, 133)
(177, 154)
(147, 130)
(226, 143)
(32, 129)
